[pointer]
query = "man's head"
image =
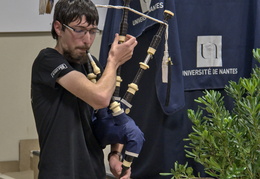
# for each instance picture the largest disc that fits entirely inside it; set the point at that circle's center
(67, 11)
(74, 27)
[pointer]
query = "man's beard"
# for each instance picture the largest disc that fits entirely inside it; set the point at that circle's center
(75, 58)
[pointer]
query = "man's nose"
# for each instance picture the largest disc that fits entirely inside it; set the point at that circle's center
(87, 37)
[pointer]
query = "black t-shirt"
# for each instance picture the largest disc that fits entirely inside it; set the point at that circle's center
(68, 148)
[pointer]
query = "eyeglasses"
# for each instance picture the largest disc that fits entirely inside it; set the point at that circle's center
(81, 32)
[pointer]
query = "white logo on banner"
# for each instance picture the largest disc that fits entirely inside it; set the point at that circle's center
(209, 55)
(209, 51)
(145, 5)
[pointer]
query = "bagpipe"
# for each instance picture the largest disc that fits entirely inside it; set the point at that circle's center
(112, 125)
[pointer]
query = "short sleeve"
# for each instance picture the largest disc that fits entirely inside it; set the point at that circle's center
(48, 66)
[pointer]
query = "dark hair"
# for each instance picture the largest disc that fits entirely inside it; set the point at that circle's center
(67, 11)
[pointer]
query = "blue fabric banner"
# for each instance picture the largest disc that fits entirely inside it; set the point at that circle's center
(217, 38)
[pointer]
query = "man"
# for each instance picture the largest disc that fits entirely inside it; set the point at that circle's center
(63, 98)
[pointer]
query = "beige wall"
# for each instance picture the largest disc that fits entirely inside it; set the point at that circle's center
(17, 52)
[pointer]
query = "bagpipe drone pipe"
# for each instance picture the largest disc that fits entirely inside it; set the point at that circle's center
(112, 125)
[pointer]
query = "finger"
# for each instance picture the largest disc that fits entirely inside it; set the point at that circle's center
(128, 36)
(116, 39)
(131, 40)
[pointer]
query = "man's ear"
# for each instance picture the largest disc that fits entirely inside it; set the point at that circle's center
(58, 27)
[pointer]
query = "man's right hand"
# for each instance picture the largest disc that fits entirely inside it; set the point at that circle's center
(122, 52)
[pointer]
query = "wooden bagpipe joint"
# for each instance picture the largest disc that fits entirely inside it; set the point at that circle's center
(127, 162)
(96, 69)
(121, 38)
(125, 166)
(118, 81)
(151, 50)
(143, 65)
(169, 13)
(93, 70)
(132, 88)
(115, 107)
(92, 77)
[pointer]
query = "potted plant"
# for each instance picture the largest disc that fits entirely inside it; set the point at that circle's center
(227, 143)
